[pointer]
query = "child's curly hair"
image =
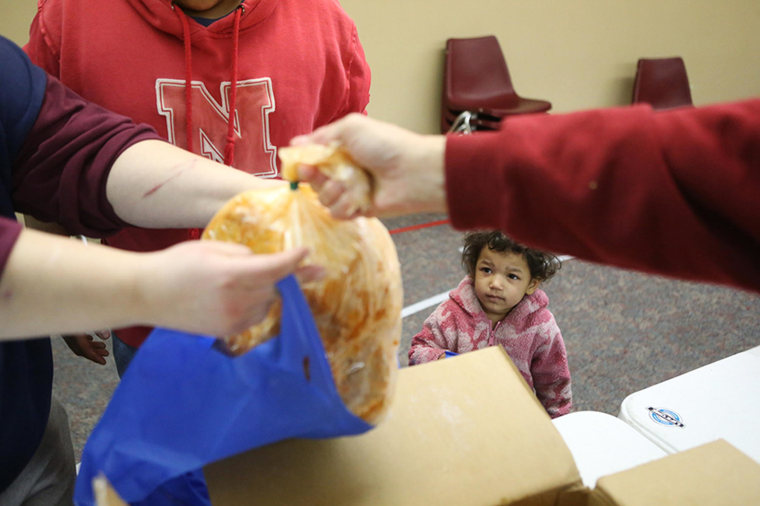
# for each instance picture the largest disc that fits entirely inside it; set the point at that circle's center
(542, 265)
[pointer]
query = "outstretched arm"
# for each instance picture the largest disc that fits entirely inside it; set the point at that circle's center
(202, 286)
(668, 192)
(69, 161)
(154, 184)
(93, 171)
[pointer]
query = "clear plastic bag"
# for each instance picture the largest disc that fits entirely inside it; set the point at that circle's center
(356, 306)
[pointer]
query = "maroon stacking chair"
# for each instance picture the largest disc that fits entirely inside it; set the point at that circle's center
(661, 83)
(476, 79)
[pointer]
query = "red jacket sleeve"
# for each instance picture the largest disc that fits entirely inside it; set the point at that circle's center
(674, 193)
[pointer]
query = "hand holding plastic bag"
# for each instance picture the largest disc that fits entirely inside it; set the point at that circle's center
(183, 404)
(356, 304)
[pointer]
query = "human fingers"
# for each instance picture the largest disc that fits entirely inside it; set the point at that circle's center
(85, 346)
(381, 150)
(96, 352)
(257, 291)
(103, 334)
(225, 248)
(345, 207)
(322, 135)
(331, 192)
(213, 287)
(313, 176)
(308, 273)
(272, 267)
(76, 343)
(92, 344)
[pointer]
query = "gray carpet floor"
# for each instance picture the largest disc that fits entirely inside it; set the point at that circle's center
(623, 330)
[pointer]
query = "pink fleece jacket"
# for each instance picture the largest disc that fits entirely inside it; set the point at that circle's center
(528, 333)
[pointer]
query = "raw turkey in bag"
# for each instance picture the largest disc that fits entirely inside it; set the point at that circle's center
(356, 306)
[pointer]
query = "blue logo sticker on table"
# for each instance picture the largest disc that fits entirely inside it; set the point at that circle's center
(665, 417)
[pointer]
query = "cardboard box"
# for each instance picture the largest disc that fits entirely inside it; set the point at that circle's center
(467, 431)
(712, 474)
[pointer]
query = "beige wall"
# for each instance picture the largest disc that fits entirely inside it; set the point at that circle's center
(15, 19)
(14, 24)
(575, 53)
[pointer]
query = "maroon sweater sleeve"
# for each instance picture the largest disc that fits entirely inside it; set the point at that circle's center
(9, 232)
(674, 193)
(61, 170)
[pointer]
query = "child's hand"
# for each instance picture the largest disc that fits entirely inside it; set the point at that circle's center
(84, 345)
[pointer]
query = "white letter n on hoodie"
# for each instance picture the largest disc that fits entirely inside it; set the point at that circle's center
(255, 99)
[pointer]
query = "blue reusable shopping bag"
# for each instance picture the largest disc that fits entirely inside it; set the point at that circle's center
(183, 404)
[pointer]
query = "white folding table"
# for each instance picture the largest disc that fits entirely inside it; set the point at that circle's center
(602, 444)
(719, 400)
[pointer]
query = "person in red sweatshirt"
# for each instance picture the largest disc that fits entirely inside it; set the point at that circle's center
(230, 80)
(499, 303)
(670, 192)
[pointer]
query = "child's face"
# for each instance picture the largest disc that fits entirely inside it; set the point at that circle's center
(502, 279)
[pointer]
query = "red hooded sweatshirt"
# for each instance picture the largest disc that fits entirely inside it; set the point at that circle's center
(288, 66)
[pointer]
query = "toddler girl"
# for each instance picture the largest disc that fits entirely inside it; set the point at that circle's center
(499, 303)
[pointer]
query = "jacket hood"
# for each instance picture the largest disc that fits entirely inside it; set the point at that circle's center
(160, 14)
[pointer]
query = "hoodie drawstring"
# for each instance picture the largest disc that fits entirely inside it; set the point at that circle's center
(188, 78)
(229, 147)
